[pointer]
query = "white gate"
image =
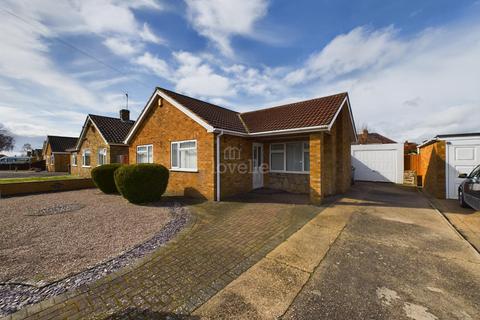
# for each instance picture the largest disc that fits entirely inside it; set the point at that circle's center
(378, 162)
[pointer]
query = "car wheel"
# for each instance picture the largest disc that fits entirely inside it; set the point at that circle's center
(461, 200)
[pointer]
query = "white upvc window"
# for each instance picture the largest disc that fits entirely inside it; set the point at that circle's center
(145, 153)
(290, 157)
(184, 155)
(74, 159)
(86, 157)
(52, 159)
(102, 156)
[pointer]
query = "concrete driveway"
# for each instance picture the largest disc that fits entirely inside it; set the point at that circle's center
(393, 257)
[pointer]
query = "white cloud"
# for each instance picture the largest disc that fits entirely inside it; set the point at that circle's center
(154, 64)
(198, 78)
(147, 35)
(219, 20)
(121, 46)
(410, 88)
(355, 51)
(112, 20)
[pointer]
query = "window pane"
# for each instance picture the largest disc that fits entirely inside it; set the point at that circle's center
(277, 147)
(188, 144)
(277, 161)
(141, 149)
(150, 154)
(175, 155)
(306, 157)
(188, 159)
(294, 156)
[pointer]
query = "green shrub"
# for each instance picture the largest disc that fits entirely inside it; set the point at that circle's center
(103, 177)
(140, 183)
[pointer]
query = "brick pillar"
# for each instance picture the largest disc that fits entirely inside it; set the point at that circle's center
(316, 149)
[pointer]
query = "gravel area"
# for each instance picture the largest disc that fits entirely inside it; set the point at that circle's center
(83, 236)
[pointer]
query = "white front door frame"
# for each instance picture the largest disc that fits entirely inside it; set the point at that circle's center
(257, 161)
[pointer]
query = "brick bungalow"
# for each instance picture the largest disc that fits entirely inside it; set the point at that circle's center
(101, 142)
(366, 137)
(55, 153)
(213, 152)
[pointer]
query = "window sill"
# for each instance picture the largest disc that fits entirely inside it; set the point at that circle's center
(184, 170)
(74, 165)
(290, 172)
(86, 166)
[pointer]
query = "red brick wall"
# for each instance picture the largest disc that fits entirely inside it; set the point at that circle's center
(165, 124)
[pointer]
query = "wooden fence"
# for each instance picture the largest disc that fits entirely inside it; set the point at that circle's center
(411, 162)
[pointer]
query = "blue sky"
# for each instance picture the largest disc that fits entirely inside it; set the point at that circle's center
(411, 67)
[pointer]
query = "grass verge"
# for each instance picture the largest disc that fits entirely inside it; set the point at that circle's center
(33, 179)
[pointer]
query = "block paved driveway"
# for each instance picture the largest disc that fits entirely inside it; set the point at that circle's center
(225, 240)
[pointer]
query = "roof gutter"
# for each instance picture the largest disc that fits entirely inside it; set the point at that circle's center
(274, 132)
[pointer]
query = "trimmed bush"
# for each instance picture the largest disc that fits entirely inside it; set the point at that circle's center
(103, 177)
(140, 183)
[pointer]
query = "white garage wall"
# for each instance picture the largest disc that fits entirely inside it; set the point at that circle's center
(378, 162)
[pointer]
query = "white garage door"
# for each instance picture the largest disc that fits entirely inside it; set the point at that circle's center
(462, 155)
(378, 162)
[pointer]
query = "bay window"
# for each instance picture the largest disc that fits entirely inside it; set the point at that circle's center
(184, 155)
(145, 154)
(290, 157)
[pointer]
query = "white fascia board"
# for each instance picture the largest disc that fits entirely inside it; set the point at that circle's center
(346, 101)
(173, 102)
(427, 142)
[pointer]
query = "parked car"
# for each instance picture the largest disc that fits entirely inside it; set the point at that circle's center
(15, 160)
(469, 190)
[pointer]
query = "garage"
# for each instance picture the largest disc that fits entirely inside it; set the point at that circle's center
(378, 162)
(444, 158)
(462, 156)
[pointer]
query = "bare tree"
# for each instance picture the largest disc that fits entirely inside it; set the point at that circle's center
(6, 140)
(27, 149)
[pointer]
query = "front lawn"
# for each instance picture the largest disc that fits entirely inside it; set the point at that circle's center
(33, 179)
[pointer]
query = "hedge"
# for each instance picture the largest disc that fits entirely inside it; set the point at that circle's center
(140, 183)
(103, 177)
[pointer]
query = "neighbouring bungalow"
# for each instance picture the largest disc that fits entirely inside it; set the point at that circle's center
(101, 142)
(55, 153)
(366, 137)
(213, 152)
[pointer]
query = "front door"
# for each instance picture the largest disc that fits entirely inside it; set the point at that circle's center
(257, 161)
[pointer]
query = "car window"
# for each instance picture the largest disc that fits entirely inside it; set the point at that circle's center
(475, 172)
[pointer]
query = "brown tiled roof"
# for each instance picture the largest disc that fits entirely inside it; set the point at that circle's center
(372, 138)
(61, 144)
(114, 130)
(216, 116)
(309, 113)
